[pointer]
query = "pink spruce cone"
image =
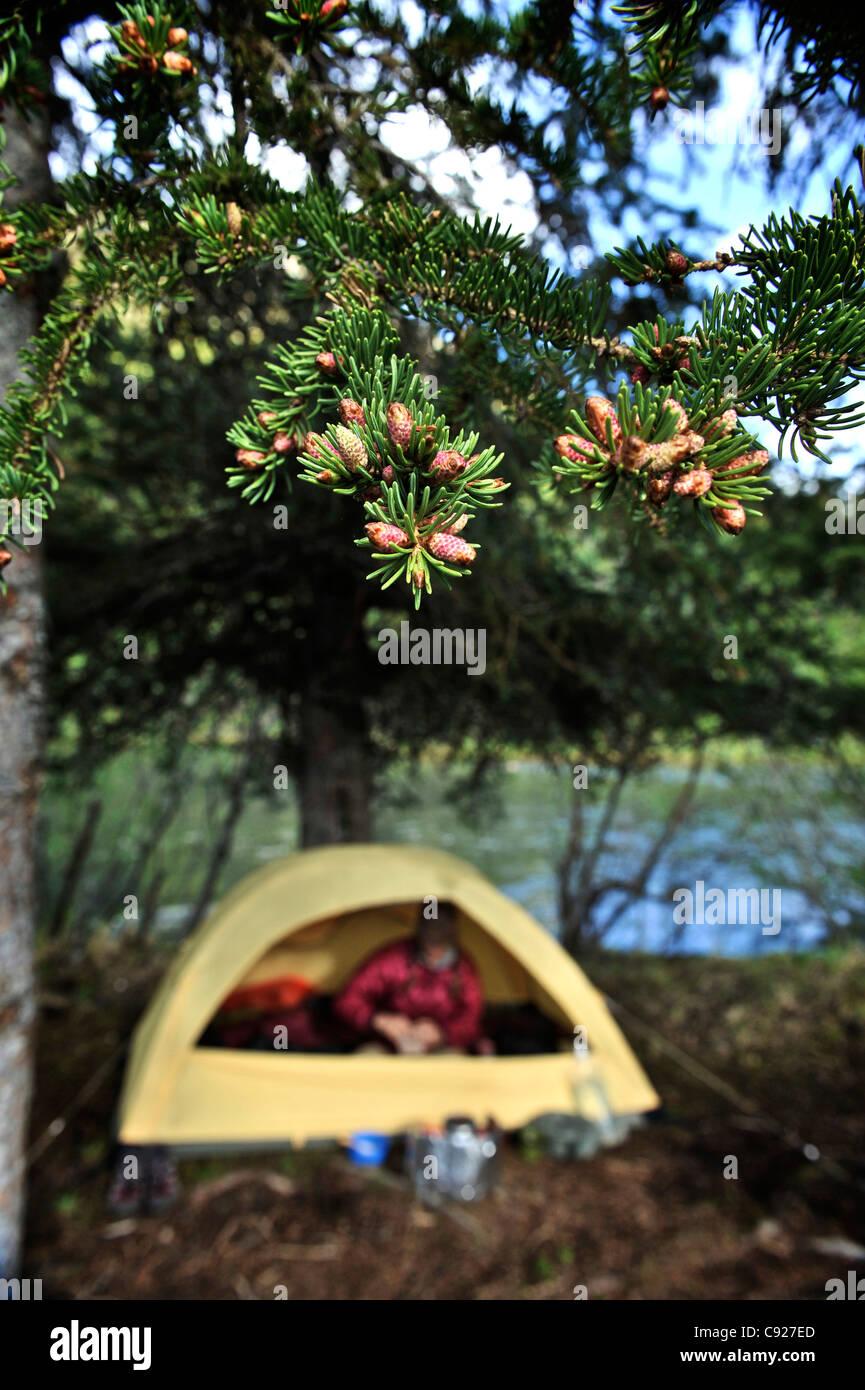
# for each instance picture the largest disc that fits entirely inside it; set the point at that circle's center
(450, 549)
(400, 423)
(575, 448)
(725, 424)
(694, 484)
(730, 519)
(351, 412)
(598, 411)
(384, 536)
(448, 464)
(750, 464)
(677, 410)
(250, 458)
(313, 443)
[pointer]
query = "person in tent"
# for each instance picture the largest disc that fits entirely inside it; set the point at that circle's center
(421, 995)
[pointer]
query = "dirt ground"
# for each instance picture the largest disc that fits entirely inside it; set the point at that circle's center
(652, 1219)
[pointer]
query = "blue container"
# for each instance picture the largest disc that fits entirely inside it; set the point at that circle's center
(368, 1150)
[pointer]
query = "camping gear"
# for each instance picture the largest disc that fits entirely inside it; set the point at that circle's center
(144, 1179)
(368, 1150)
(317, 915)
(267, 996)
(459, 1161)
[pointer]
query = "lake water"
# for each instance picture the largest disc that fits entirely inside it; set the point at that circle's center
(518, 839)
(752, 828)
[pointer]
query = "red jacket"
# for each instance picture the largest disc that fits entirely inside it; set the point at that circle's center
(395, 981)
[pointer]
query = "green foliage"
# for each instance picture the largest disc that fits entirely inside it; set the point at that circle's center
(791, 340)
(784, 346)
(668, 32)
(650, 439)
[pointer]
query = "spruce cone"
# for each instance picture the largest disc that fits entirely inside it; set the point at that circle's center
(658, 489)
(399, 424)
(675, 263)
(327, 363)
(730, 519)
(351, 412)
(634, 453)
(679, 414)
(725, 424)
(5, 558)
(178, 62)
(351, 448)
(176, 36)
(694, 484)
(384, 536)
(132, 33)
(8, 237)
(450, 549)
(311, 444)
(575, 448)
(598, 411)
(266, 417)
(448, 464)
(659, 98)
(756, 460)
(387, 473)
(284, 443)
(250, 458)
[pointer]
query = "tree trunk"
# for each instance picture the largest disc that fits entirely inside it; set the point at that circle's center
(335, 780)
(335, 773)
(21, 687)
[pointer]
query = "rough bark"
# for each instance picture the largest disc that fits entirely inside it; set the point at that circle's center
(21, 651)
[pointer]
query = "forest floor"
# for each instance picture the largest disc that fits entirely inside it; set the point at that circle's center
(652, 1219)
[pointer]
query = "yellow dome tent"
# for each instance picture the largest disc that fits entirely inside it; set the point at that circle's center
(318, 914)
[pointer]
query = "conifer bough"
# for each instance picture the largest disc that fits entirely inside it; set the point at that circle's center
(342, 407)
(381, 445)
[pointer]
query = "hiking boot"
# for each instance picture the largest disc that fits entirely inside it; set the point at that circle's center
(164, 1187)
(128, 1188)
